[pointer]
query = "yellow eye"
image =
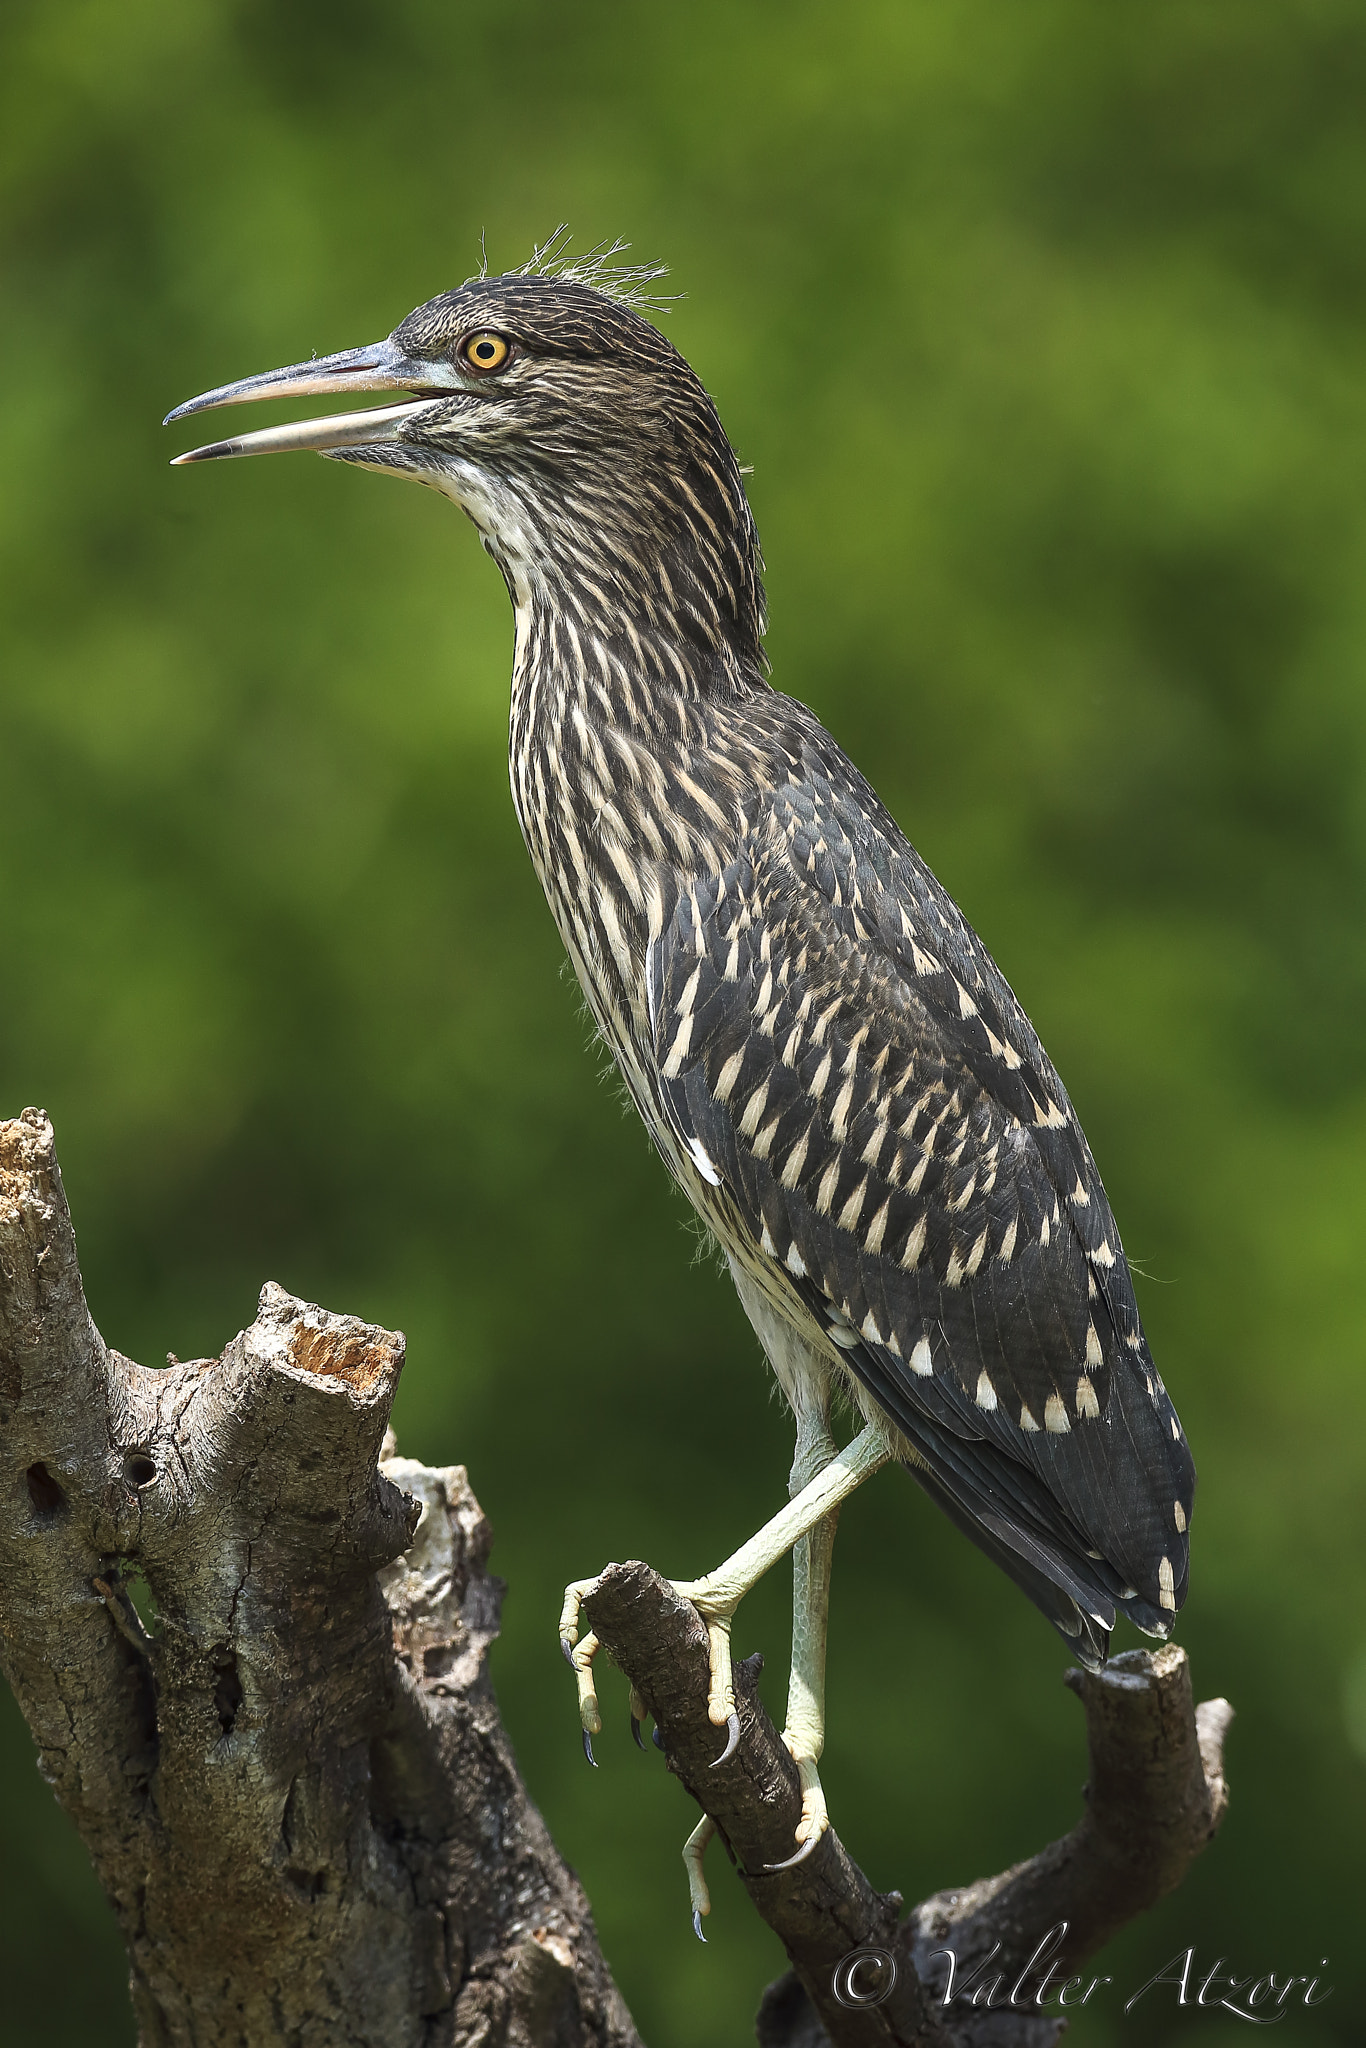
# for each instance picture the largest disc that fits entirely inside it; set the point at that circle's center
(485, 352)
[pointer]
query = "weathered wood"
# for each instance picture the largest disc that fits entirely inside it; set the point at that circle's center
(250, 1641)
(288, 1767)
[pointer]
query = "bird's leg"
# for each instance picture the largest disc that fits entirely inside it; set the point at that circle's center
(717, 1596)
(812, 1557)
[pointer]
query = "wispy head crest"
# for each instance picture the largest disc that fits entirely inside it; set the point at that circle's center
(628, 283)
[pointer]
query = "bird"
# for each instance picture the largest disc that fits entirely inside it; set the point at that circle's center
(826, 1056)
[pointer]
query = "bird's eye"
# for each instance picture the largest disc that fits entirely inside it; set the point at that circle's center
(485, 352)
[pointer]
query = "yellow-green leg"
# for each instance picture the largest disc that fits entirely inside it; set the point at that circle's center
(812, 1558)
(717, 1596)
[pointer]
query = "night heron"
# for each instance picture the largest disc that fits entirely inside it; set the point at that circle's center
(829, 1061)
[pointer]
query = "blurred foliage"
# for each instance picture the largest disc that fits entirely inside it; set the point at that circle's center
(1043, 328)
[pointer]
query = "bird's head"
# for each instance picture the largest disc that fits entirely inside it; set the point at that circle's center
(574, 435)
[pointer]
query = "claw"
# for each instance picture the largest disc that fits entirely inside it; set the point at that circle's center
(588, 1749)
(732, 1741)
(697, 1927)
(801, 1855)
(656, 1738)
(636, 1736)
(567, 1651)
(638, 1712)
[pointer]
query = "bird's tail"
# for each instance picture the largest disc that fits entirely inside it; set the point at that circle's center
(1080, 1595)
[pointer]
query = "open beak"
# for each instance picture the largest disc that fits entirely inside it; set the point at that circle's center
(382, 367)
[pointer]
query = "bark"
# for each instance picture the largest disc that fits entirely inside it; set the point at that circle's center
(288, 1768)
(251, 1644)
(1155, 1797)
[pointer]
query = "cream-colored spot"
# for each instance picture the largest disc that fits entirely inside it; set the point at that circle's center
(1044, 1232)
(795, 1263)
(685, 1001)
(1166, 1585)
(849, 1214)
(822, 1024)
(1179, 1517)
(986, 1393)
(1087, 1404)
(825, 1192)
(678, 1050)
(966, 1006)
(1027, 1420)
(874, 1145)
(1102, 1255)
(915, 1245)
(871, 1330)
(1080, 1198)
(1055, 1417)
(839, 1122)
(953, 1272)
(729, 1075)
(763, 1144)
(766, 1243)
(922, 1167)
(796, 1160)
(921, 1361)
(1094, 1355)
(1007, 1251)
(977, 1254)
(820, 1077)
(873, 1241)
(754, 1109)
(1176, 1431)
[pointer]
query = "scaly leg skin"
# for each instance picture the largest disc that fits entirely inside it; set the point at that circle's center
(717, 1596)
(804, 1728)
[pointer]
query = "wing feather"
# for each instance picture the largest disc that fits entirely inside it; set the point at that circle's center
(878, 1108)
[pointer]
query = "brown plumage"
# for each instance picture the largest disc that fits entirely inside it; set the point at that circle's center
(823, 1051)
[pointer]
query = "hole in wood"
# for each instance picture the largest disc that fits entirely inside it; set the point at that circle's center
(227, 1693)
(139, 1470)
(46, 1495)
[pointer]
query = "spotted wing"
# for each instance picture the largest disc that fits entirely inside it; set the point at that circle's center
(841, 1054)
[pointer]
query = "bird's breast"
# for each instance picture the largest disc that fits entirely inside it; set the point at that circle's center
(614, 819)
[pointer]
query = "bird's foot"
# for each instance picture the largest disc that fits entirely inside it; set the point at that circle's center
(815, 1820)
(716, 1611)
(579, 1654)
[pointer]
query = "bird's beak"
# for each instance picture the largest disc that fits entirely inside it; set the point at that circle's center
(382, 367)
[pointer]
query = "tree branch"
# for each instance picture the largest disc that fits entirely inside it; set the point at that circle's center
(291, 1775)
(1156, 1795)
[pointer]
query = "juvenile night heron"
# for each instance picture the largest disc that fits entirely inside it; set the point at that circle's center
(828, 1059)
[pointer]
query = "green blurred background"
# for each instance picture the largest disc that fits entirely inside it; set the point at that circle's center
(1043, 328)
